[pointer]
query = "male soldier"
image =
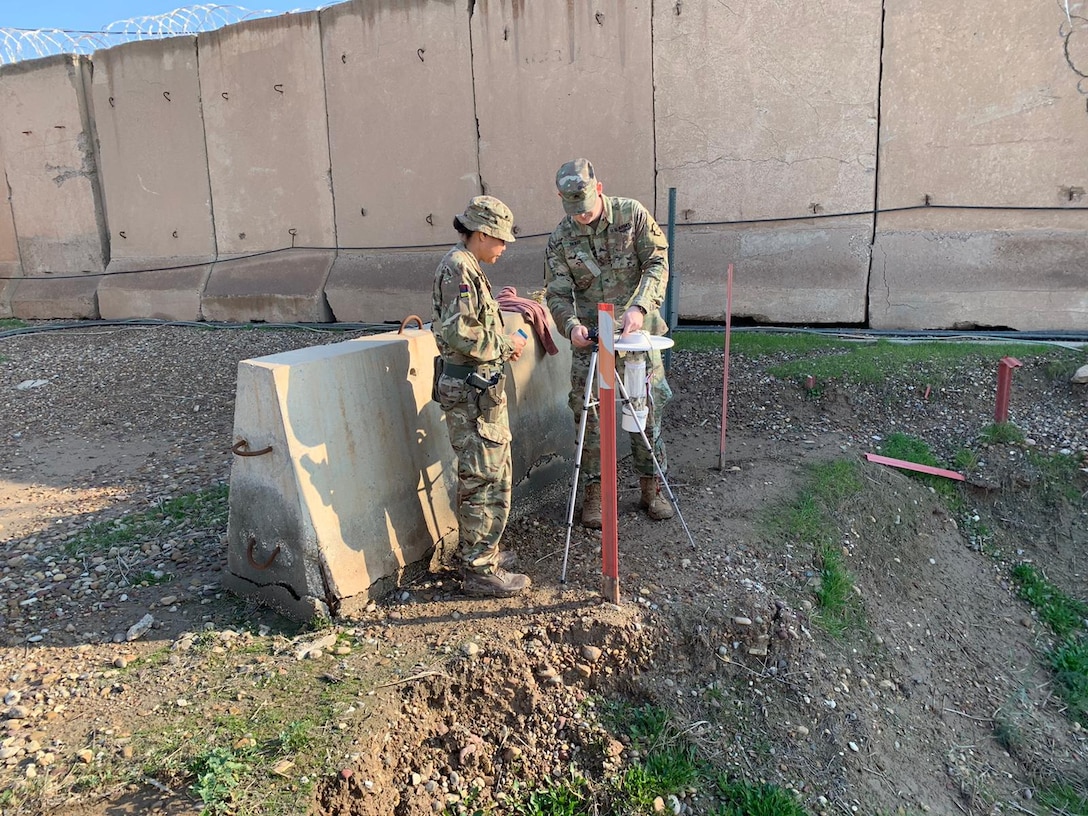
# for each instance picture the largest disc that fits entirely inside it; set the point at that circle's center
(470, 387)
(609, 250)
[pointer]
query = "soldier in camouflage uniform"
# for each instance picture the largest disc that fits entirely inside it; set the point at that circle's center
(609, 250)
(470, 386)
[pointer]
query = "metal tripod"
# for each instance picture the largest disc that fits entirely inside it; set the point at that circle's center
(588, 401)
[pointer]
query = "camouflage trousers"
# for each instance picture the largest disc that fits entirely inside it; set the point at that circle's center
(479, 429)
(660, 395)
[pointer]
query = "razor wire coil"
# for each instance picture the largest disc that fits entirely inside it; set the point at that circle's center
(18, 44)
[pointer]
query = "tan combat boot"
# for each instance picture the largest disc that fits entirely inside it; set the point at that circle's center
(591, 506)
(658, 507)
(497, 584)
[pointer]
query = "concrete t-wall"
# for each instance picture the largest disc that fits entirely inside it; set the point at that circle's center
(788, 133)
(52, 174)
(995, 115)
(150, 128)
(763, 112)
(10, 268)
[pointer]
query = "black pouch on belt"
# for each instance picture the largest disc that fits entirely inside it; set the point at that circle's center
(493, 399)
(439, 365)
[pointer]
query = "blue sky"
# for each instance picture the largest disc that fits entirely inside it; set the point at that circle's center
(94, 15)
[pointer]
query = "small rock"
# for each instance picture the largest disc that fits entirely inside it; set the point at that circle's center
(85, 755)
(470, 649)
(140, 628)
(591, 653)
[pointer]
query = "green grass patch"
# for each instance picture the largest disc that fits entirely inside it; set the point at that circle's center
(1068, 619)
(1065, 615)
(745, 799)
(1001, 433)
(911, 449)
(875, 362)
(207, 508)
(11, 323)
(1070, 665)
(567, 798)
(1064, 799)
(755, 344)
(809, 522)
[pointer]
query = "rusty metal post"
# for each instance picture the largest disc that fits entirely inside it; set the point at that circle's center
(1004, 383)
(606, 399)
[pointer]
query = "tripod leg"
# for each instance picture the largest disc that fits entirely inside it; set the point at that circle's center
(587, 402)
(657, 465)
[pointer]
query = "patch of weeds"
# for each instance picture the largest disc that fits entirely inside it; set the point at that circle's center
(217, 773)
(966, 459)
(1064, 798)
(294, 737)
(1070, 665)
(911, 449)
(1058, 477)
(835, 595)
(666, 762)
(1001, 433)
(566, 798)
(1065, 615)
(1068, 619)
(809, 521)
(11, 323)
(742, 798)
(205, 509)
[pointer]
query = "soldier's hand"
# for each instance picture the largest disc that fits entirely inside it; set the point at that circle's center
(579, 337)
(632, 320)
(519, 342)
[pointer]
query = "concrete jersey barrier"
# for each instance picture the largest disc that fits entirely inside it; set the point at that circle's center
(344, 481)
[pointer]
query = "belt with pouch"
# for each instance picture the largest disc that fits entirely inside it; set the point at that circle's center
(473, 375)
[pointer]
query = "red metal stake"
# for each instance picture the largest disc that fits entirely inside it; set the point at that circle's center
(725, 361)
(606, 410)
(1004, 382)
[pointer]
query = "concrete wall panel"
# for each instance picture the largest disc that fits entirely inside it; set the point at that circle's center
(981, 114)
(262, 87)
(43, 298)
(555, 81)
(769, 111)
(378, 287)
(402, 130)
(165, 294)
(766, 109)
(959, 275)
(282, 287)
(10, 267)
(782, 274)
(51, 167)
(150, 130)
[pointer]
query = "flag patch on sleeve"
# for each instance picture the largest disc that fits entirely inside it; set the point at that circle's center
(464, 290)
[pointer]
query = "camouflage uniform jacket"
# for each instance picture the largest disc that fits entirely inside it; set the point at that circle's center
(466, 321)
(622, 259)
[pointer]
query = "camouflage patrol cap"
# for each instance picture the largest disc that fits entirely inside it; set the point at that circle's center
(577, 185)
(490, 216)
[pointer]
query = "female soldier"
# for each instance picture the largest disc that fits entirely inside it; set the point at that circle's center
(467, 327)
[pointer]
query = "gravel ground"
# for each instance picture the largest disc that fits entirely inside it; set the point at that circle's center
(99, 421)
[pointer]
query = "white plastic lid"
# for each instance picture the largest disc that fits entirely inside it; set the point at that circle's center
(642, 341)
